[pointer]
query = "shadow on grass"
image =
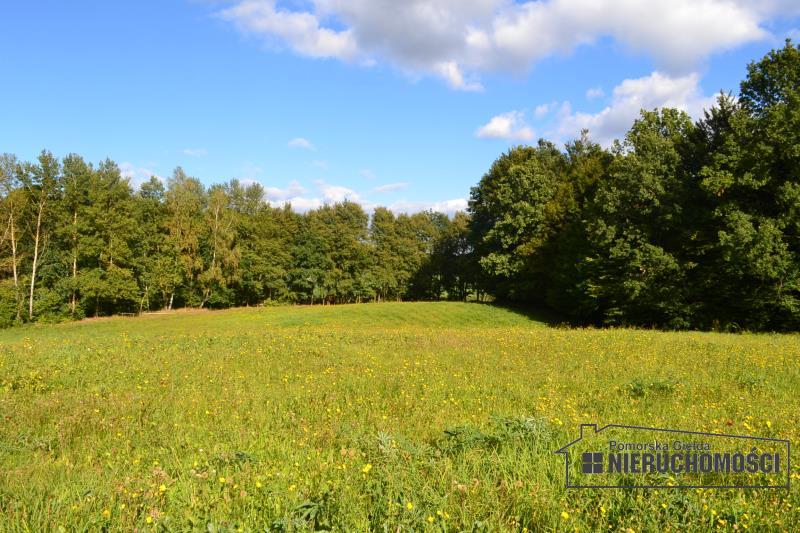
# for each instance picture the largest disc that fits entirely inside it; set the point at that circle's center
(532, 312)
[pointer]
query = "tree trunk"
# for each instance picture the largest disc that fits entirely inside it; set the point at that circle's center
(144, 297)
(215, 231)
(74, 300)
(35, 258)
(12, 224)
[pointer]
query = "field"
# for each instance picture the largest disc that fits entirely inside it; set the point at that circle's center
(384, 417)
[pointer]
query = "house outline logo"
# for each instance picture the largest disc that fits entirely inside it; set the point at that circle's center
(590, 464)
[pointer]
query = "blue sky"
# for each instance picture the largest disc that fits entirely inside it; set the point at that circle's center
(404, 104)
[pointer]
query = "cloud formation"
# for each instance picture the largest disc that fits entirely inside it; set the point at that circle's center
(510, 126)
(457, 40)
(300, 142)
(299, 30)
(391, 187)
(628, 99)
(297, 195)
(594, 93)
(303, 200)
(336, 193)
(278, 195)
(448, 207)
(137, 174)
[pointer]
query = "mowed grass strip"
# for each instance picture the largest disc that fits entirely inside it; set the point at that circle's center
(417, 416)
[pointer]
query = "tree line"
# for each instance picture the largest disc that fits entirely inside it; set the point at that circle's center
(78, 241)
(679, 225)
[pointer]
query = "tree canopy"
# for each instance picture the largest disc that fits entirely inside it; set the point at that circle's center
(680, 224)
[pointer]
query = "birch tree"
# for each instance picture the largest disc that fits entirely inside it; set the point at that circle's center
(41, 183)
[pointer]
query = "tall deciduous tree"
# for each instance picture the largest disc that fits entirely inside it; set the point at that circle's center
(636, 226)
(155, 258)
(185, 199)
(41, 183)
(77, 181)
(12, 208)
(107, 250)
(517, 208)
(222, 249)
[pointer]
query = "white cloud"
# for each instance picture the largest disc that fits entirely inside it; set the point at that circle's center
(448, 207)
(457, 40)
(302, 204)
(195, 152)
(336, 193)
(297, 196)
(300, 142)
(137, 174)
(326, 194)
(451, 73)
(631, 96)
(278, 195)
(320, 164)
(391, 187)
(510, 126)
(595, 93)
(677, 33)
(542, 110)
(299, 29)
(367, 174)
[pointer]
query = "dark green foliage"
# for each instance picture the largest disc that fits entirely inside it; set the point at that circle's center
(681, 225)
(749, 179)
(635, 227)
(102, 248)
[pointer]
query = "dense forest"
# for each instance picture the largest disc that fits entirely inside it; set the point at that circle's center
(681, 224)
(79, 242)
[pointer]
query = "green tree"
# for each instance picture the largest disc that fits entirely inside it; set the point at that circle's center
(185, 200)
(748, 168)
(41, 183)
(106, 247)
(12, 209)
(77, 181)
(453, 258)
(222, 249)
(155, 257)
(517, 209)
(636, 272)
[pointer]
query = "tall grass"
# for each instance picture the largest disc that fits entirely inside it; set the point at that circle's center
(439, 416)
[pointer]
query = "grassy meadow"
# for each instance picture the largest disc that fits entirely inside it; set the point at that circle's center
(381, 417)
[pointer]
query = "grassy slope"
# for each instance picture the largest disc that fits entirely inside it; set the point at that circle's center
(270, 416)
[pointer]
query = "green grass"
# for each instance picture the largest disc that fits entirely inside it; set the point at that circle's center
(396, 416)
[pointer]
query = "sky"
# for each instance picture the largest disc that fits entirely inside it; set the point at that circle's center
(404, 104)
